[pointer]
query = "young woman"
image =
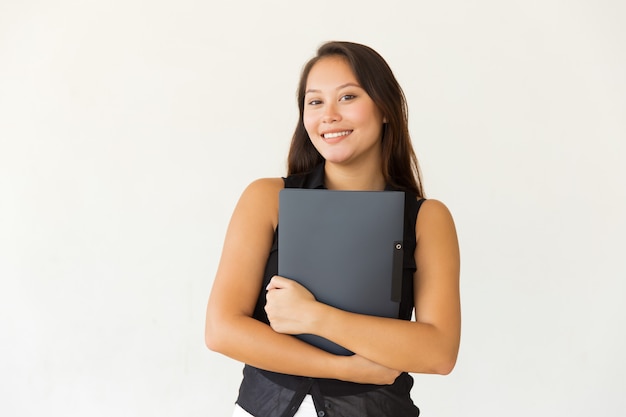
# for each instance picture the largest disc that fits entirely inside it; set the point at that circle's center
(352, 135)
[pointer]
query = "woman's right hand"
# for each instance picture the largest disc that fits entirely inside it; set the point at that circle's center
(364, 371)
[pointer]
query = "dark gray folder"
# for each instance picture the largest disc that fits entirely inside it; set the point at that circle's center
(345, 247)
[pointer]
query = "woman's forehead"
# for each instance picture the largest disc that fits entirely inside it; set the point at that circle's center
(330, 73)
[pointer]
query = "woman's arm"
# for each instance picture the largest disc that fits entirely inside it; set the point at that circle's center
(230, 328)
(428, 345)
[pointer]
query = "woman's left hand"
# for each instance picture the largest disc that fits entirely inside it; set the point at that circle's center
(289, 306)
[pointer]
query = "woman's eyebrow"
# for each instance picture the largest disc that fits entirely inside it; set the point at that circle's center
(312, 90)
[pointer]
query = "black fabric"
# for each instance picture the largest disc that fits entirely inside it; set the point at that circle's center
(262, 397)
(268, 394)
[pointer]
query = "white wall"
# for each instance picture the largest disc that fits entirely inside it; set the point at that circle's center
(129, 128)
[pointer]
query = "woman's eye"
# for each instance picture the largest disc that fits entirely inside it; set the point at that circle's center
(346, 97)
(314, 102)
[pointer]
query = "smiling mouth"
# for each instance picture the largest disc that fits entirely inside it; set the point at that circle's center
(336, 134)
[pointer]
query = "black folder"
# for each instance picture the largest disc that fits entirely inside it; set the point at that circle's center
(345, 247)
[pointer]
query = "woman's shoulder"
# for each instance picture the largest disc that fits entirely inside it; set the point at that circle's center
(259, 200)
(433, 205)
(264, 188)
(433, 216)
(265, 185)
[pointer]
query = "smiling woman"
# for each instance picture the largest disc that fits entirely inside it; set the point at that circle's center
(352, 134)
(343, 122)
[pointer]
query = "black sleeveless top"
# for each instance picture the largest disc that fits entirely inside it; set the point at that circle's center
(269, 394)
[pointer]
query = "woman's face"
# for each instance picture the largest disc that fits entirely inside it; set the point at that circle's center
(342, 121)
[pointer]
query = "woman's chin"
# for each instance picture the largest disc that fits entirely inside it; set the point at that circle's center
(336, 159)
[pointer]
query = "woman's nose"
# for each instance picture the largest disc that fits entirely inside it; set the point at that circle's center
(331, 114)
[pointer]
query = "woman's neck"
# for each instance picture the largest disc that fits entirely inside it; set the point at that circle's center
(360, 178)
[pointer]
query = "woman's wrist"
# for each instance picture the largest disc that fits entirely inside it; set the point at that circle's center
(321, 316)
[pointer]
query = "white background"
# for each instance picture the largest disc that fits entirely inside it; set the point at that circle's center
(128, 130)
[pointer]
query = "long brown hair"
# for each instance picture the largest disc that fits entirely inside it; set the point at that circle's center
(400, 167)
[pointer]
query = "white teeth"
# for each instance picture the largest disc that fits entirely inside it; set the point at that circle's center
(336, 135)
